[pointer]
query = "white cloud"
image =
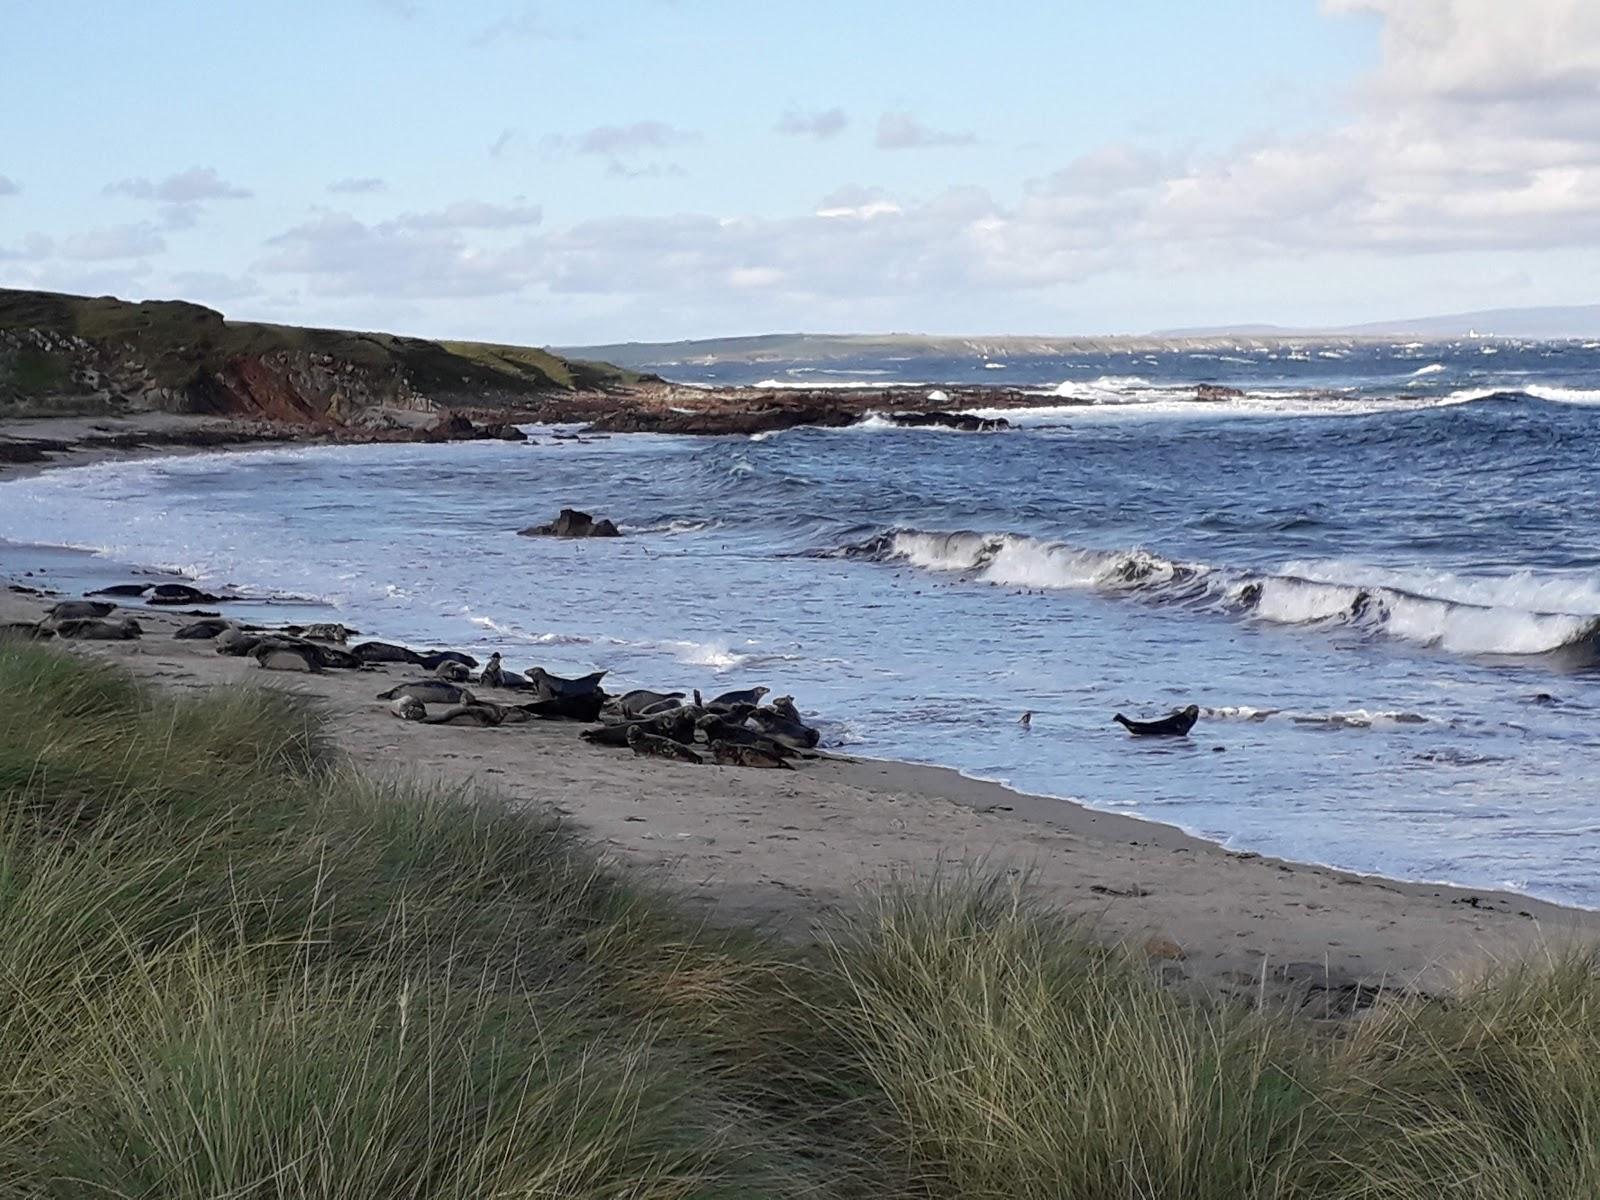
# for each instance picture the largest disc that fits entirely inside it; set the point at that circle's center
(616, 141)
(902, 131)
(358, 186)
(819, 125)
(474, 214)
(193, 186)
(116, 241)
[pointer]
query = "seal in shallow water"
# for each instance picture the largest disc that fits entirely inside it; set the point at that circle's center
(643, 743)
(430, 691)
(1177, 724)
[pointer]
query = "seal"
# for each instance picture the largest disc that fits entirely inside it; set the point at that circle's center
(1177, 724)
(554, 685)
(676, 726)
(92, 630)
(386, 652)
(328, 632)
(208, 627)
(430, 691)
(642, 743)
(408, 708)
(731, 755)
(239, 642)
(782, 729)
(493, 674)
(79, 610)
(633, 704)
(473, 712)
(452, 672)
(287, 656)
(434, 657)
(179, 593)
(121, 589)
(565, 708)
(727, 700)
(714, 729)
(659, 707)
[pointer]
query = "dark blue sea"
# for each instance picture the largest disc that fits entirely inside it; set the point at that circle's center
(1377, 572)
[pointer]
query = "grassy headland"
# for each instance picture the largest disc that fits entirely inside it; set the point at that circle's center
(192, 359)
(232, 966)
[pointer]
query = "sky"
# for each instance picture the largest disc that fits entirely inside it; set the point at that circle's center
(622, 170)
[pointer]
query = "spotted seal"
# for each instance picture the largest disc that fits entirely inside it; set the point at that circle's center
(452, 672)
(642, 743)
(730, 754)
(408, 708)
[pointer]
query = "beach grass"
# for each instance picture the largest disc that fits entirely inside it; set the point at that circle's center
(230, 965)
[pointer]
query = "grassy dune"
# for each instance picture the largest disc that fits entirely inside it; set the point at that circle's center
(232, 967)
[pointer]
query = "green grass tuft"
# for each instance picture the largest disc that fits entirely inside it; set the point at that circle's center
(232, 966)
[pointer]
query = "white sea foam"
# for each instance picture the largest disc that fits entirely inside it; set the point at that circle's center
(1430, 369)
(1517, 614)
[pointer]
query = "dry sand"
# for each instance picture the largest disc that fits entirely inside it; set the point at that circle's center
(783, 848)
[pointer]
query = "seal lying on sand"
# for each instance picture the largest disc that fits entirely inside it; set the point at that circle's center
(1177, 724)
(209, 627)
(677, 726)
(643, 743)
(433, 658)
(408, 708)
(430, 691)
(386, 652)
(328, 632)
(121, 589)
(287, 656)
(784, 728)
(632, 705)
(473, 712)
(566, 708)
(79, 610)
(92, 630)
(714, 729)
(554, 685)
(730, 755)
(453, 672)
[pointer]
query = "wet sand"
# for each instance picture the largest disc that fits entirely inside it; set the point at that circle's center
(783, 849)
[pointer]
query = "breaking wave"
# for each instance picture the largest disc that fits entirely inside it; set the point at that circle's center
(1517, 615)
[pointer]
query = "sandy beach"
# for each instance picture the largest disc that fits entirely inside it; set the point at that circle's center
(782, 849)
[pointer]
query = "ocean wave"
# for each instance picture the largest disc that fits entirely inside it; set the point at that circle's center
(1430, 369)
(1516, 615)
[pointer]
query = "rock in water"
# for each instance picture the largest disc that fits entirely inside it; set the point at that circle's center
(572, 524)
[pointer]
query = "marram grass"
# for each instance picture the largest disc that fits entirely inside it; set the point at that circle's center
(232, 967)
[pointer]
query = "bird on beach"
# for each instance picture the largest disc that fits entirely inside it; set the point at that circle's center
(1026, 719)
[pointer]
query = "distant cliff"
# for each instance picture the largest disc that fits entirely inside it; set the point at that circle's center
(173, 356)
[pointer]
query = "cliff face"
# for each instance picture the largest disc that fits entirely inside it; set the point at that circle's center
(178, 357)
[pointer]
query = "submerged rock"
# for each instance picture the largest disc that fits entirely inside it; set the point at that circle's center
(572, 524)
(966, 422)
(1212, 391)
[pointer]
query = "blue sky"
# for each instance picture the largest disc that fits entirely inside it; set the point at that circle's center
(670, 168)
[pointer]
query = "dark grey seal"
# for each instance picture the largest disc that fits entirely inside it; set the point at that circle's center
(1177, 724)
(633, 704)
(91, 630)
(643, 743)
(79, 610)
(555, 685)
(730, 754)
(727, 700)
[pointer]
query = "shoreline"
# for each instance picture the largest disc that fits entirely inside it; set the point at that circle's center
(1233, 920)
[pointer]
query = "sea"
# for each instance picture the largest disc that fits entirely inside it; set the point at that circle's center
(1377, 572)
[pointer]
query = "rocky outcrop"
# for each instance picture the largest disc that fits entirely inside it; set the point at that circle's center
(1212, 391)
(763, 418)
(573, 524)
(965, 422)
